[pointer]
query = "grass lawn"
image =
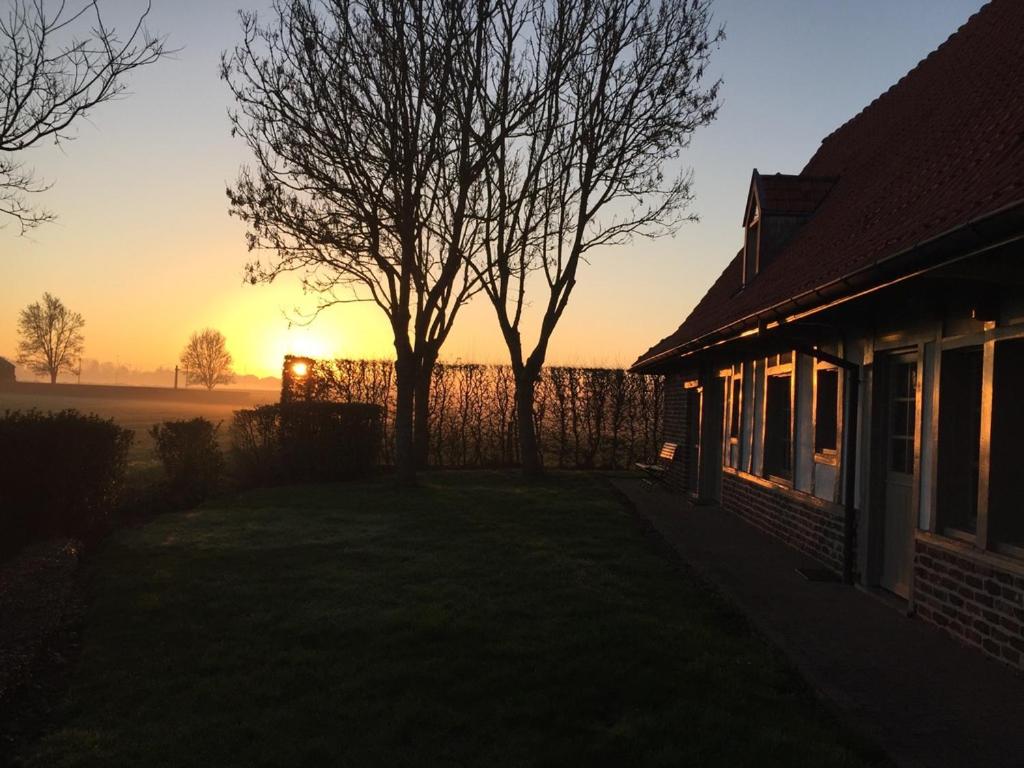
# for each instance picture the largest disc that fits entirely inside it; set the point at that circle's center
(472, 622)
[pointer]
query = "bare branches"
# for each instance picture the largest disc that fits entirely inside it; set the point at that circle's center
(50, 337)
(623, 89)
(617, 88)
(206, 359)
(370, 134)
(57, 62)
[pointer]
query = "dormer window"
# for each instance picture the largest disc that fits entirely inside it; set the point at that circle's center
(751, 241)
(777, 206)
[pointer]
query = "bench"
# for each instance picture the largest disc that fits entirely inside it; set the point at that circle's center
(656, 471)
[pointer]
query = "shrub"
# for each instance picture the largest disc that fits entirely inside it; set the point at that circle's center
(191, 458)
(255, 444)
(60, 475)
(306, 441)
(329, 441)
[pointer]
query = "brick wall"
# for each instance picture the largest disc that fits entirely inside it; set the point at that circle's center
(675, 426)
(971, 595)
(813, 526)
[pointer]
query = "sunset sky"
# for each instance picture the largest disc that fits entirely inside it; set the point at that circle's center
(144, 248)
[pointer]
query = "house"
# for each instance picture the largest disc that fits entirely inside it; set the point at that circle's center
(6, 371)
(852, 383)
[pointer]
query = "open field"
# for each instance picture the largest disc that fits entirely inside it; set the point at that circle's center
(472, 621)
(135, 414)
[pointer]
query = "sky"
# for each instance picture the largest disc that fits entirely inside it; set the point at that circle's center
(144, 248)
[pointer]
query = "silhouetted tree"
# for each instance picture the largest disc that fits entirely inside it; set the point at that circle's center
(365, 121)
(206, 359)
(50, 337)
(623, 90)
(58, 61)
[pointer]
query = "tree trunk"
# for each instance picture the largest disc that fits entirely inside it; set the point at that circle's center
(53, 377)
(421, 430)
(529, 446)
(405, 391)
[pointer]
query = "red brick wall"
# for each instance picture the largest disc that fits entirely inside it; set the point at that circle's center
(971, 597)
(810, 525)
(675, 426)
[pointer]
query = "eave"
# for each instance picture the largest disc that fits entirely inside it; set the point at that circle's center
(981, 234)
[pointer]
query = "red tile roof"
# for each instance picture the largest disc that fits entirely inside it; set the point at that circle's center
(788, 194)
(941, 148)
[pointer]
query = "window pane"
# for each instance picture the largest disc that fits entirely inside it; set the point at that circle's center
(959, 438)
(734, 424)
(902, 419)
(901, 455)
(778, 427)
(1006, 477)
(826, 411)
(902, 416)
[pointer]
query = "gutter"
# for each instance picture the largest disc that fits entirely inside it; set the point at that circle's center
(840, 290)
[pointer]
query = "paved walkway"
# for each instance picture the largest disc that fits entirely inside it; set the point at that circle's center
(921, 696)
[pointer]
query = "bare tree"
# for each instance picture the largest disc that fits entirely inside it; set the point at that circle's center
(365, 121)
(58, 60)
(624, 88)
(206, 359)
(50, 337)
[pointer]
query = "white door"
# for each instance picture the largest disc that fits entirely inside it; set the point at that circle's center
(899, 477)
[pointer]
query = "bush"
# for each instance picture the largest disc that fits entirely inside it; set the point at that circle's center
(306, 441)
(60, 475)
(255, 444)
(191, 458)
(329, 441)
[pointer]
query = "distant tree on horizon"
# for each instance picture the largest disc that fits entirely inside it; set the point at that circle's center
(50, 337)
(206, 359)
(57, 62)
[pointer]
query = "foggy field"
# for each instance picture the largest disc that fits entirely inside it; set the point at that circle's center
(137, 415)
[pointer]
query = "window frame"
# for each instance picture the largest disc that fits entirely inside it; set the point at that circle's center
(732, 416)
(776, 367)
(988, 338)
(830, 456)
(954, 531)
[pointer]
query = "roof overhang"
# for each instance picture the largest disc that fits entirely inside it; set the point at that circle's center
(973, 238)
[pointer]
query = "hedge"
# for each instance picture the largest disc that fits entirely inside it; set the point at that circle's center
(191, 458)
(306, 441)
(604, 418)
(60, 475)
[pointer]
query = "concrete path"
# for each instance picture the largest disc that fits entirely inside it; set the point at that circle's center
(921, 696)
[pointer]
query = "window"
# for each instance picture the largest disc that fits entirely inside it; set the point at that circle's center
(778, 424)
(1006, 480)
(751, 243)
(732, 381)
(826, 411)
(902, 416)
(750, 254)
(959, 445)
(734, 418)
